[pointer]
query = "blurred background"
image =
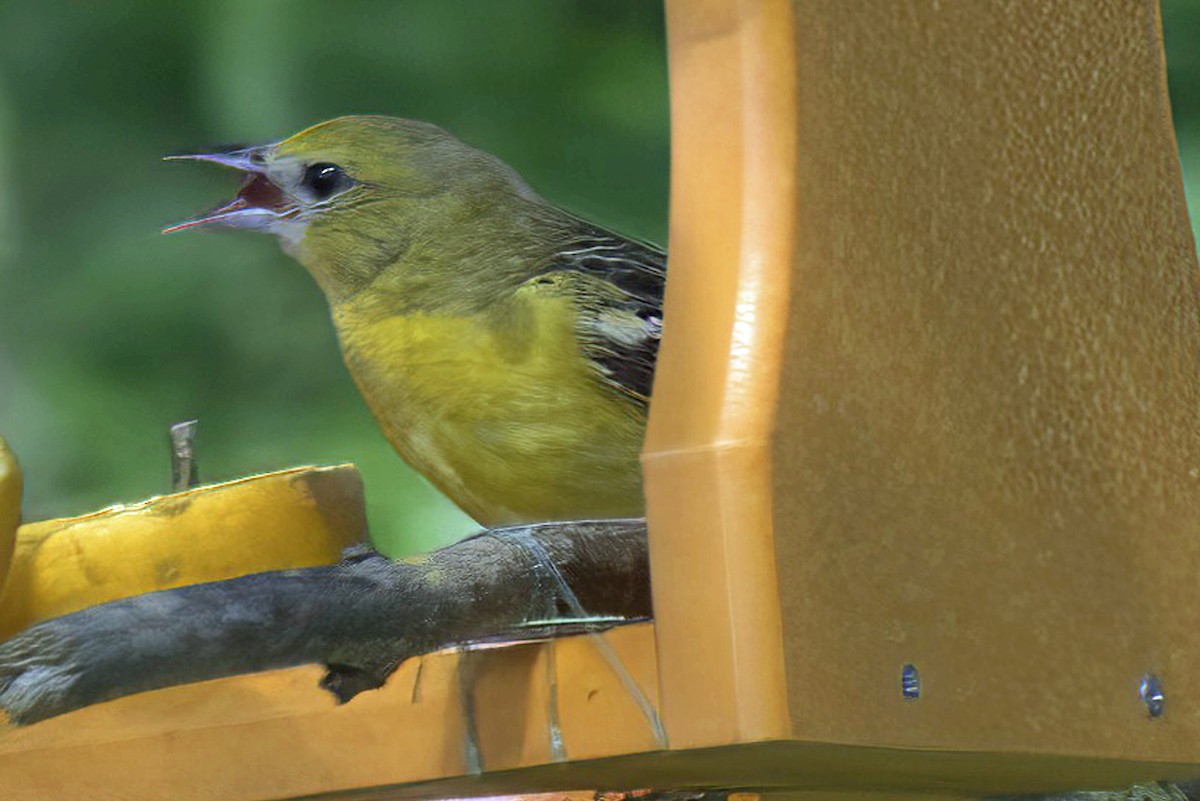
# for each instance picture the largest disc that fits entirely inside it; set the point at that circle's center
(109, 332)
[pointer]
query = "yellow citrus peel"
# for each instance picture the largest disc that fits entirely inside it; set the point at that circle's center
(293, 518)
(10, 506)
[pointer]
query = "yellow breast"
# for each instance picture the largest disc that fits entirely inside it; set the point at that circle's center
(499, 410)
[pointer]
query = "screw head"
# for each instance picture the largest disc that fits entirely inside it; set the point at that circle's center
(910, 682)
(1151, 693)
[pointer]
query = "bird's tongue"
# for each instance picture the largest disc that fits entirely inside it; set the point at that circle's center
(256, 192)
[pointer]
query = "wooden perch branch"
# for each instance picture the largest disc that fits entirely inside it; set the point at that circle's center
(361, 617)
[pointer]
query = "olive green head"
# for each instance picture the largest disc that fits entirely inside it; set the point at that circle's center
(391, 155)
(351, 196)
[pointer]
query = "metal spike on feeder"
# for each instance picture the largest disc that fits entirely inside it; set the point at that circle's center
(185, 472)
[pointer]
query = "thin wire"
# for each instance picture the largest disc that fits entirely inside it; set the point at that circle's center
(529, 543)
(558, 748)
(466, 691)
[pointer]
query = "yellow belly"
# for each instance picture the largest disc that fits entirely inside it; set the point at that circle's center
(502, 414)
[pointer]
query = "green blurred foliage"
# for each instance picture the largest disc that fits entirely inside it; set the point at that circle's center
(110, 332)
(1181, 37)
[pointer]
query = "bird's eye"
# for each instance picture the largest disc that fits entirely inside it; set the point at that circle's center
(323, 179)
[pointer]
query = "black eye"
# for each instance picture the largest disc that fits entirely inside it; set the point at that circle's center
(323, 179)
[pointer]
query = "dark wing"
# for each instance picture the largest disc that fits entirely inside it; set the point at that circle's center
(621, 322)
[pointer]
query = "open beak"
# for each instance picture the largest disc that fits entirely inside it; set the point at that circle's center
(259, 202)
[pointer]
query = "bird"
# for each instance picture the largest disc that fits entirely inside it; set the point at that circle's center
(505, 346)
